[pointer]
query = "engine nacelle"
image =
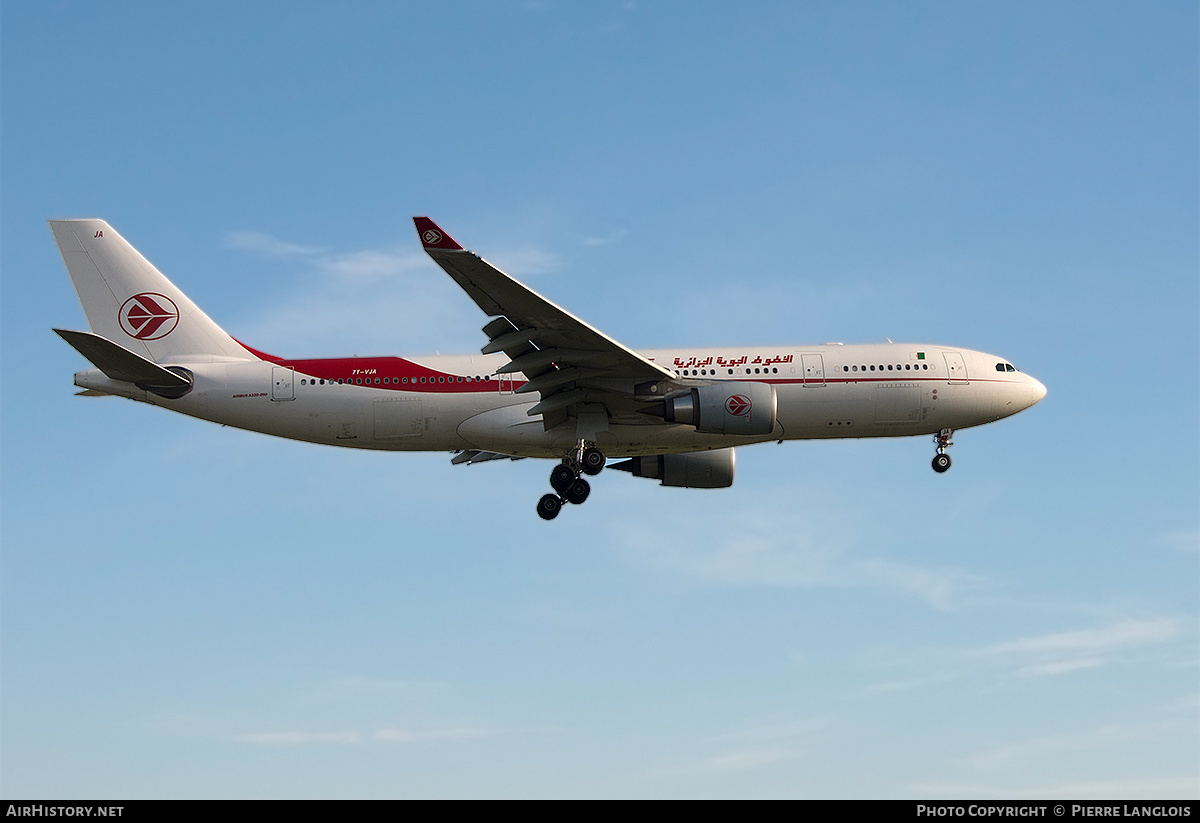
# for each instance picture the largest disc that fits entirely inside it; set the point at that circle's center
(725, 408)
(694, 470)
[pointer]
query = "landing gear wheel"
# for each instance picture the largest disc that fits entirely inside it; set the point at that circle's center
(941, 462)
(548, 506)
(561, 478)
(578, 491)
(593, 461)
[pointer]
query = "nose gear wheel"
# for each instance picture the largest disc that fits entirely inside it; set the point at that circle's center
(941, 460)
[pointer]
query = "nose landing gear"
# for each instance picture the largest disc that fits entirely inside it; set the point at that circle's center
(941, 460)
(566, 481)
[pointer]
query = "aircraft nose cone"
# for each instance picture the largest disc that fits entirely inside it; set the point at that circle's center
(1036, 391)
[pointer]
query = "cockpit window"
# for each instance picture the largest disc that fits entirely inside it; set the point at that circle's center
(1010, 367)
(999, 367)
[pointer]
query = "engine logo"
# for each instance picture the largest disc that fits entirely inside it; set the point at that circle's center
(148, 316)
(431, 237)
(738, 405)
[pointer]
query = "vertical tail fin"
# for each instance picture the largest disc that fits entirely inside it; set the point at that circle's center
(131, 303)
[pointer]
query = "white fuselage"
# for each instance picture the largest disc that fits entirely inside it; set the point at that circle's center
(445, 403)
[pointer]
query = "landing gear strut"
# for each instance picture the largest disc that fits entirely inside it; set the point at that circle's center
(941, 460)
(566, 481)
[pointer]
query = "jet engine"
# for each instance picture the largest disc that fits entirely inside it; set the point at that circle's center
(722, 408)
(694, 470)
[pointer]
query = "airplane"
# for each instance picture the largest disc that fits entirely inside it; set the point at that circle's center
(545, 385)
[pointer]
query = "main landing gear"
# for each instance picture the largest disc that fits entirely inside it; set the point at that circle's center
(566, 481)
(941, 460)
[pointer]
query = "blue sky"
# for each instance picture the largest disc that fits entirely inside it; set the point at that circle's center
(192, 611)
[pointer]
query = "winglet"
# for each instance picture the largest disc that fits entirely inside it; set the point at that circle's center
(432, 237)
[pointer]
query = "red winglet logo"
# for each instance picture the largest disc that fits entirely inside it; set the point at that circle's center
(432, 236)
(148, 316)
(738, 405)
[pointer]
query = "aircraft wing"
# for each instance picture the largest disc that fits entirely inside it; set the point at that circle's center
(563, 358)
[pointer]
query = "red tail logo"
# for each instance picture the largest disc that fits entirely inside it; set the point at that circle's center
(148, 316)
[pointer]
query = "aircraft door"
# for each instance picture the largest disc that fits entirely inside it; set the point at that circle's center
(814, 369)
(282, 380)
(955, 367)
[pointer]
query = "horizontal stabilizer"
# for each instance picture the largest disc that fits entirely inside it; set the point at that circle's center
(120, 363)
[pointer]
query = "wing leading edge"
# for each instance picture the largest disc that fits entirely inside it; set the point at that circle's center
(565, 360)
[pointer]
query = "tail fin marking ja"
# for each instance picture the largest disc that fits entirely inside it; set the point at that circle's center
(129, 302)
